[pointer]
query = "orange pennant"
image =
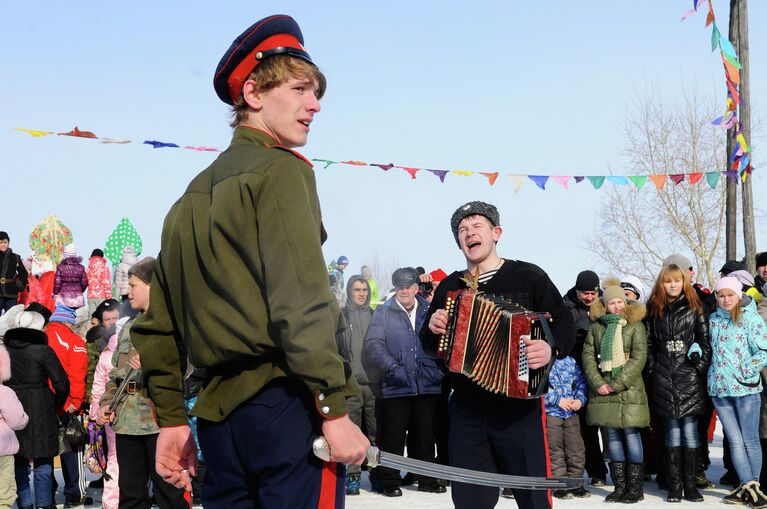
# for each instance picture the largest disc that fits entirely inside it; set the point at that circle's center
(732, 72)
(78, 133)
(658, 180)
(355, 163)
(491, 177)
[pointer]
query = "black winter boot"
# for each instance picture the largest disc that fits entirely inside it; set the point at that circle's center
(674, 474)
(634, 487)
(690, 460)
(618, 473)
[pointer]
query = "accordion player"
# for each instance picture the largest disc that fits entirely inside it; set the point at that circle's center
(485, 342)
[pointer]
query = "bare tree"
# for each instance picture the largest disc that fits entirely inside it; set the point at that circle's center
(638, 228)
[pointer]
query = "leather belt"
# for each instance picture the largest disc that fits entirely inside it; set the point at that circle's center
(133, 386)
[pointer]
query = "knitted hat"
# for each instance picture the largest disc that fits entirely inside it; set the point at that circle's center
(69, 250)
(474, 208)
(97, 252)
(634, 284)
(761, 259)
(680, 261)
(342, 260)
(587, 281)
(63, 314)
(613, 292)
(437, 275)
(143, 269)
(730, 283)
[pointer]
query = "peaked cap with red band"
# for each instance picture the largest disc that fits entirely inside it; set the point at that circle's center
(275, 35)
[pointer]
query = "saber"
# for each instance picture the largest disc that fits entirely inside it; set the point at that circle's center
(376, 457)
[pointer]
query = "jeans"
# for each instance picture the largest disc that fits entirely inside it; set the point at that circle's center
(43, 476)
(622, 441)
(740, 420)
(685, 429)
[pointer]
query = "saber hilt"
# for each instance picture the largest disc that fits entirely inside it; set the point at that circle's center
(321, 449)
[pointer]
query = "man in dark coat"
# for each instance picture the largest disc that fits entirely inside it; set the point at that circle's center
(411, 380)
(578, 300)
(760, 278)
(13, 274)
(490, 432)
(33, 365)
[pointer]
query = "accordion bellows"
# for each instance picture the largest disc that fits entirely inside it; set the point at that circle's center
(485, 341)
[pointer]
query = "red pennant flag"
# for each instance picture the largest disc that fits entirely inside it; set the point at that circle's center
(78, 133)
(695, 178)
(676, 178)
(411, 171)
(491, 177)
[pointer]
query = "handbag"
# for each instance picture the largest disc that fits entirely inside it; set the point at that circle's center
(72, 433)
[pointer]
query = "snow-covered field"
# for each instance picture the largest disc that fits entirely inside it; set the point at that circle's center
(412, 499)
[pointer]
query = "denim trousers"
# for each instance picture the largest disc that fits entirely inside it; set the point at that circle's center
(740, 420)
(43, 477)
(683, 429)
(624, 444)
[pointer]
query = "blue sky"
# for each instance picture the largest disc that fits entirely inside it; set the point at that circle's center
(525, 87)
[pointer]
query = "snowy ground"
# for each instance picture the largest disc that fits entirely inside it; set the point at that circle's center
(412, 499)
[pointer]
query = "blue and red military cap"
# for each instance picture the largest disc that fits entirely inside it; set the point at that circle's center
(274, 35)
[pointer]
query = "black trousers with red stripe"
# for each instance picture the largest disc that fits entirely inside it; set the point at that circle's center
(499, 442)
(261, 456)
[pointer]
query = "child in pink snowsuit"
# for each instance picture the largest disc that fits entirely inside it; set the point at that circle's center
(110, 497)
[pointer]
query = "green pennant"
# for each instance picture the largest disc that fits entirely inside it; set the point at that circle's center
(638, 180)
(713, 178)
(596, 181)
(715, 36)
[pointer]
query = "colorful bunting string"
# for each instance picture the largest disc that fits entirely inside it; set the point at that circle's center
(740, 159)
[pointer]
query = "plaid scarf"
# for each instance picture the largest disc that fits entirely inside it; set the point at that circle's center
(611, 346)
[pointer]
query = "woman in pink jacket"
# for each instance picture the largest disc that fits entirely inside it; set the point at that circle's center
(12, 418)
(110, 497)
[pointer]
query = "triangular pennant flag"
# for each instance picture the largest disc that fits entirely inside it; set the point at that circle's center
(710, 17)
(465, 173)
(355, 163)
(79, 134)
(731, 122)
(736, 152)
(110, 140)
(160, 144)
(731, 72)
(712, 177)
(540, 180)
(732, 174)
(384, 167)
(677, 178)
(638, 180)
(202, 149)
(596, 181)
(491, 177)
(562, 180)
(733, 91)
(658, 180)
(618, 180)
(439, 173)
(411, 171)
(518, 181)
(742, 142)
(694, 178)
(717, 121)
(326, 162)
(33, 132)
(579, 179)
(729, 52)
(715, 36)
(745, 162)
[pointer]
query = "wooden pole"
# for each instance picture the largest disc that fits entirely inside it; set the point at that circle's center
(731, 199)
(744, 110)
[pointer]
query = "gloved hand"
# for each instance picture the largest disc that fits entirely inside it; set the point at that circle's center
(694, 352)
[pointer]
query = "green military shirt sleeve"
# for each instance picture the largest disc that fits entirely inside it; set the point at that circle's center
(153, 337)
(296, 283)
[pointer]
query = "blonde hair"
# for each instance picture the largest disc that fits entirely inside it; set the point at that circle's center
(737, 311)
(272, 73)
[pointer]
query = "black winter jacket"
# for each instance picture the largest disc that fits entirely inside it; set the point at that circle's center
(581, 316)
(678, 384)
(33, 363)
(13, 275)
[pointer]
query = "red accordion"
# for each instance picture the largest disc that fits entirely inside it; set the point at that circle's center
(484, 341)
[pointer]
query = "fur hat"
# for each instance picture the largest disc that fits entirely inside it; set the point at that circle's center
(69, 250)
(43, 311)
(474, 208)
(730, 283)
(19, 318)
(143, 269)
